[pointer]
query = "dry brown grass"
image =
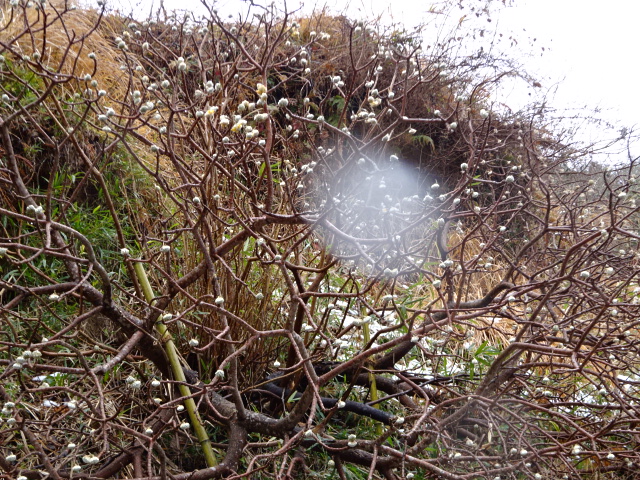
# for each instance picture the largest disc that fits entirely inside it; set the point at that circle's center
(65, 50)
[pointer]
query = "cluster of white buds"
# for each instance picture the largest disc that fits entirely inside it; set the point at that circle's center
(35, 210)
(7, 408)
(90, 459)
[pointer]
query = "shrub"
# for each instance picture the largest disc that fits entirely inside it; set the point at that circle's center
(309, 245)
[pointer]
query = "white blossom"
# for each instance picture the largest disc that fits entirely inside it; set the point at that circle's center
(90, 459)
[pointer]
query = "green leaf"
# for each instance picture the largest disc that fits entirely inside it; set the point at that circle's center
(424, 141)
(337, 102)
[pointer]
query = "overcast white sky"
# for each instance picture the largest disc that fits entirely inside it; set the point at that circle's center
(591, 51)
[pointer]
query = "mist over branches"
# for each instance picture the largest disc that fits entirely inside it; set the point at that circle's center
(296, 247)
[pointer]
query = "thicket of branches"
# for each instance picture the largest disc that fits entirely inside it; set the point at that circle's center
(281, 247)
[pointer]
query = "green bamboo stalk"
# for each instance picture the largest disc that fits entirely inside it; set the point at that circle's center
(174, 360)
(372, 378)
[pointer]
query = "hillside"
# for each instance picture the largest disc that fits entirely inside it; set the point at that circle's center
(287, 247)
